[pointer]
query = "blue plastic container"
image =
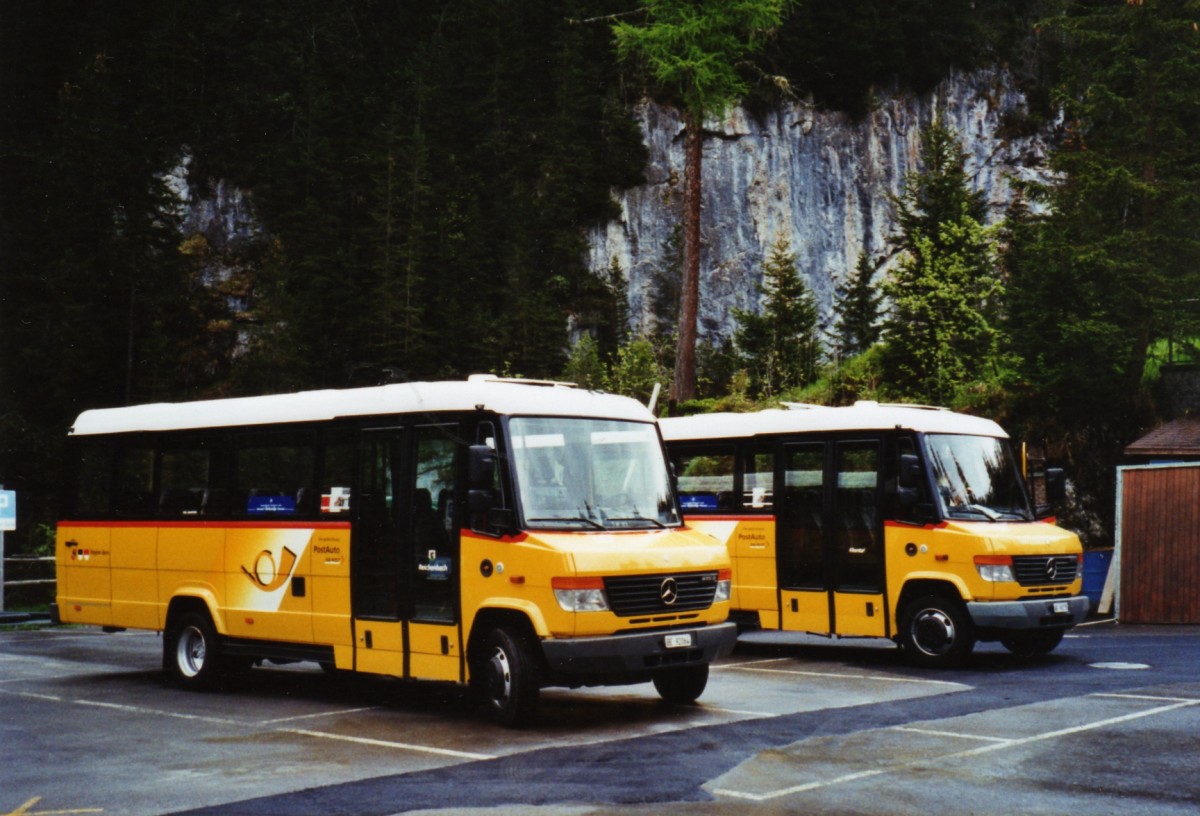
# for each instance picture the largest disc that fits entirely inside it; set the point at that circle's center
(1095, 571)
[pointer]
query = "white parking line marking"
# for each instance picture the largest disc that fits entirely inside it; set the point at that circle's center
(762, 797)
(1152, 697)
(318, 715)
(954, 734)
(1062, 732)
(157, 712)
(404, 746)
(51, 698)
(842, 676)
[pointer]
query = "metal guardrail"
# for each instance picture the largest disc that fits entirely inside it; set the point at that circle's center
(24, 560)
(29, 559)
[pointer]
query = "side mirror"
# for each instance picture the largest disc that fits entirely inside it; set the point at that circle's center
(1056, 491)
(1056, 484)
(910, 471)
(908, 482)
(481, 468)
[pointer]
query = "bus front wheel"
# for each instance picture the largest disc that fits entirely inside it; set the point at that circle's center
(681, 686)
(507, 678)
(935, 631)
(193, 652)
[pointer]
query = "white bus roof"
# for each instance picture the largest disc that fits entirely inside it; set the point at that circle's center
(862, 416)
(528, 397)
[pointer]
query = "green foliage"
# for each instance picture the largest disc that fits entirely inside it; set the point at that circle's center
(584, 367)
(781, 346)
(857, 308)
(941, 331)
(637, 370)
(694, 48)
(1115, 265)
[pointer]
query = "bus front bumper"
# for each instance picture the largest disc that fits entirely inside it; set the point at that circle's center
(632, 657)
(1050, 613)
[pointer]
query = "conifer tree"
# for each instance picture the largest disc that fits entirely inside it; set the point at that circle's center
(781, 346)
(857, 308)
(941, 329)
(693, 49)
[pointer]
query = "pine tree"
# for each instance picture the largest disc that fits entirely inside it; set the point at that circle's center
(857, 308)
(693, 49)
(941, 329)
(781, 346)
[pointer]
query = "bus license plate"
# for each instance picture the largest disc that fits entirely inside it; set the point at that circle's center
(678, 641)
(1061, 608)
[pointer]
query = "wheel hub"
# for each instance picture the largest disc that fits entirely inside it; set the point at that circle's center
(933, 631)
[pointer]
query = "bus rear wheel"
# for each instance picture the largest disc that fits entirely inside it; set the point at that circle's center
(936, 632)
(506, 678)
(1034, 643)
(193, 652)
(683, 685)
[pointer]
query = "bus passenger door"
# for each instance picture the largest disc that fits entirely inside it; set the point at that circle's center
(800, 540)
(431, 557)
(855, 537)
(375, 550)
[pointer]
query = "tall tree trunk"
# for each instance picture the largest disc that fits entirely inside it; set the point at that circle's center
(684, 385)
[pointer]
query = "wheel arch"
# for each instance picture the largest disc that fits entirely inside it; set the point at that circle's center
(919, 587)
(180, 605)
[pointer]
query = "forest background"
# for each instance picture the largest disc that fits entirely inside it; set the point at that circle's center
(422, 176)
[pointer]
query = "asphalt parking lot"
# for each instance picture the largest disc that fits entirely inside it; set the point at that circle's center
(1108, 723)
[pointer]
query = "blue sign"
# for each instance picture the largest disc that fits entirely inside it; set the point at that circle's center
(270, 504)
(698, 501)
(8, 510)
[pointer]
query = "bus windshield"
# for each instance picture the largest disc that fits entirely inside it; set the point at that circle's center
(591, 474)
(976, 478)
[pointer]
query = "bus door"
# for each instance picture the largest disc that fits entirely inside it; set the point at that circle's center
(404, 574)
(856, 541)
(431, 559)
(830, 539)
(800, 539)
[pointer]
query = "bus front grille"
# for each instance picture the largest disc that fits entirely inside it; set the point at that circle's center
(1034, 570)
(649, 594)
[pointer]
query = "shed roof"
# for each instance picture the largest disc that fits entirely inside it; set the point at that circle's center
(1175, 438)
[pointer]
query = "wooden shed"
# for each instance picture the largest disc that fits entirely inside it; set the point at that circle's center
(1158, 527)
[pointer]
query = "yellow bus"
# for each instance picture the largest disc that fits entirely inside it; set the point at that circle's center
(508, 535)
(900, 522)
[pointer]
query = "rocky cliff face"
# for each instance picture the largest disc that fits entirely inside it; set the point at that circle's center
(816, 178)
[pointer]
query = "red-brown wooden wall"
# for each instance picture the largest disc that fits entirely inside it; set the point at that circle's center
(1160, 545)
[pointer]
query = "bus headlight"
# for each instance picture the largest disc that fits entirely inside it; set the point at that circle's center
(724, 585)
(995, 568)
(580, 594)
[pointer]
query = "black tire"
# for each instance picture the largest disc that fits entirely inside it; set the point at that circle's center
(936, 632)
(505, 677)
(193, 652)
(683, 685)
(1034, 643)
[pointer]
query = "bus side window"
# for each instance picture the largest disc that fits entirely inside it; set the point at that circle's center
(705, 479)
(337, 472)
(135, 481)
(91, 481)
(275, 474)
(758, 485)
(191, 480)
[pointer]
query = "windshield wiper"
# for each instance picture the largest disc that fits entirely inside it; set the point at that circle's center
(655, 522)
(978, 509)
(590, 522)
